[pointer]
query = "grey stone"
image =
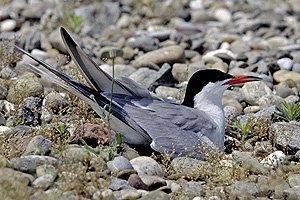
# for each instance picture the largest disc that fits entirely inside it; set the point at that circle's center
(16, 92)
(285, 63)
(31, 162)
(239, 46)
(144, 76)
(14, 184)
(182, 72)
(153, 182)
(6, 73)
(243, 189)
(77, 154)
(145, 43)
(118, 184)
(44, 181)
(287, 134)
(296, 67)
(170, 54)
(269, 100)
(4, 130)
(127, 194)
(4, 162)
(188, 167)
(253, 91)
(156, 195)
(120, 70)
(282, 75)
(167, 92)
(291, 193)
(30, 111)
(249, 163)
(38, 145)
(146, 165)
(119, 163)
(8, 25)
(294, 180)
(55, 101)
(35, 10)
(46, 169)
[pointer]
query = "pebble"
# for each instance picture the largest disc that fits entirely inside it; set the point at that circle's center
(8, 25)
(30, 111)
(274, 159)
(146, 165)
(170, 54)
(282, 75)
(287, 134)
(294, 180)
(44, 181)
(4, 130)
(248, 162)
(285, 64)
(223, 15)
(119, 163)
(29, 163)
(38, 145)
(253, 91)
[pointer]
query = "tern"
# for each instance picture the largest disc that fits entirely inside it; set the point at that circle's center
(191, 128)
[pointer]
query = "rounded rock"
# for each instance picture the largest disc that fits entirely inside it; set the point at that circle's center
(119, 163)
(285, 63)
(38, 145)
(146, 165)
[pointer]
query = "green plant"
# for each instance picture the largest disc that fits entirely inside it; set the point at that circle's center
(290, 111)
(75, 22)
(241, 129)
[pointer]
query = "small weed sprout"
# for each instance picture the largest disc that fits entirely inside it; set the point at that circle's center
(290, 111)
(241, 129)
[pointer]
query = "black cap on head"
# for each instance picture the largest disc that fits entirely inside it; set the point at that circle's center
(200, 79)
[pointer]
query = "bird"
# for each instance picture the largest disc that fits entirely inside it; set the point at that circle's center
(191, 128)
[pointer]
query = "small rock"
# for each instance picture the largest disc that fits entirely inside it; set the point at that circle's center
(144, 76)
(55, 101)
(127, 194)
(46, 169)
(30, 111)
(44, 181)
(8, 25)
(269, 100)
(118, 184)
(93, 134)
(146, 165)
(31, 162)
(120, 70)
(76, 154)
(182, 72)
(170, 54)
(282, 75)
(56, 41)
(291, 193)
(223, 15)
(187, 167)
(16, 92)
(285, 63)
(153, 182)
(287, 135)
(167, 92)
(294, 180)
(243, 189)
(253, 91)
(296, 67)
(119, 163)
(145, 43)
(278, 41)
(4, 130)
(42, 55)
(274, 159)
(4, 162)
(135, 181)
(156, 195)
(249, 163)
(38, 145)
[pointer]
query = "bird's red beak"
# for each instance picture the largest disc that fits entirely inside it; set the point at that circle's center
(241, 79)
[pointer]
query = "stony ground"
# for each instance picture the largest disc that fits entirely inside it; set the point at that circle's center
(53, 146)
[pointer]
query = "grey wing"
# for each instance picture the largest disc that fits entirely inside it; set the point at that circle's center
(172, 127)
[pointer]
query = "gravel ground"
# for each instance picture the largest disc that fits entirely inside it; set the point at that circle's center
(158, 44)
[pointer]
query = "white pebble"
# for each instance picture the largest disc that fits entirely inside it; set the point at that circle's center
(274, 159)
(285, 63)
(8, 25)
